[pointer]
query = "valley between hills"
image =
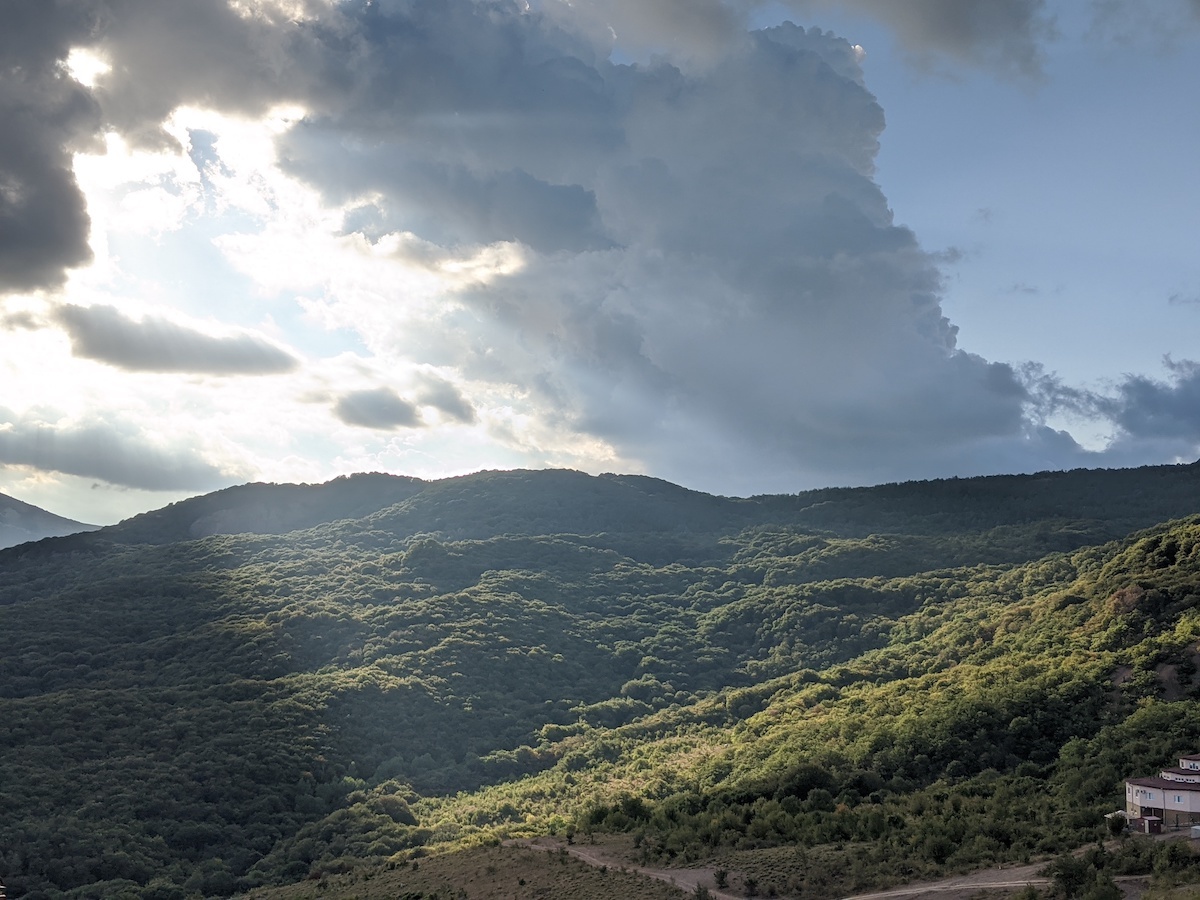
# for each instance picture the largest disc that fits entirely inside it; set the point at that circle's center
(381, 686)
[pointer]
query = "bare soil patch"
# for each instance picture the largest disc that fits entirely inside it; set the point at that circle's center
(616, 853)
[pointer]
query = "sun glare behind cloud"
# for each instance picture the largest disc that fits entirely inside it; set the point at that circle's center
(86, 67)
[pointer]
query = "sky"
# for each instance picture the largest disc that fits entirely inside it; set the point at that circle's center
(745, 246)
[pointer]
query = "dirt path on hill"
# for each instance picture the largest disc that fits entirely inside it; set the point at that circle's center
(1007, 879)
(1011, 879)
(962, 886)
(599, 855)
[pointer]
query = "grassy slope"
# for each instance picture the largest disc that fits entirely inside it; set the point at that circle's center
(482, 873)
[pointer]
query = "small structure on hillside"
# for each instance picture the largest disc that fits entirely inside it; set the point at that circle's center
(1172, 797)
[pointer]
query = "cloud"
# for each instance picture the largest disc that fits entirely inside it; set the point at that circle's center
(21, 319)
(1146, 408)
(1020, 287)
(1002, 35)
(245, 59)
(689, 31)
(381, 408)
(449, 202)
(693, 268)
(155, 344)
(47, 116)
(388, 61)
(242, 58)
(751, 282)
(446, 399)
(702, 248)
(1157, 26)
(116, 452)
(1006, 36)
(1150, 420)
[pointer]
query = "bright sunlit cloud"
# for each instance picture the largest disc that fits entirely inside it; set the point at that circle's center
(85, 66)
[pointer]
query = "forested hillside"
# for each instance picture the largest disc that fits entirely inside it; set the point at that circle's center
(831, 689)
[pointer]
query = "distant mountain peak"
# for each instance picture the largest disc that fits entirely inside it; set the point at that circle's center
(22, 522)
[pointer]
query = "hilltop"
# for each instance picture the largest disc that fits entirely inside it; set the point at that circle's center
(827, 690)
(22, 522)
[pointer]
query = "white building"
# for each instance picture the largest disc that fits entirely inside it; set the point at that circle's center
(1173, 796)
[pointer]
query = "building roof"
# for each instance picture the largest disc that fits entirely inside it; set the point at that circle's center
(1195, 757)
(1165, 784)
(1183, 773)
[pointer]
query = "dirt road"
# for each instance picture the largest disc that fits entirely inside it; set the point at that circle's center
(958, 887)
(961, 886)
(599, 855)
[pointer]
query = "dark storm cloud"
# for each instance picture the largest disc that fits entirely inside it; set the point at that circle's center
(46, 117)
(110, 451)
(382, 409)
(153, 344)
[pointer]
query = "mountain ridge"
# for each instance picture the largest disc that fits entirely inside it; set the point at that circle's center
(488, 504)
(22, 522)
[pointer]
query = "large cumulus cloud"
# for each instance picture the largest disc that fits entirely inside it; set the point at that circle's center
(383, 57)
(710, 280)
(706, 253)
